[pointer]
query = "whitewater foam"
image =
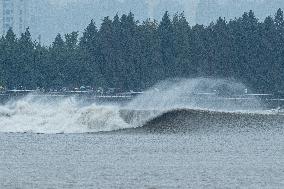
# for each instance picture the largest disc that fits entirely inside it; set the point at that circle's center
(41, 115)
(69, 115)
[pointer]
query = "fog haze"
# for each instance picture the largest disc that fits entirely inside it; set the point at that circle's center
(63, 16)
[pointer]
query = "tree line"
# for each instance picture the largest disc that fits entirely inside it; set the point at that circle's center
(124, 53)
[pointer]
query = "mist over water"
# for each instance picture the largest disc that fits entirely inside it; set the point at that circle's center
(198, 93)
(70, 115)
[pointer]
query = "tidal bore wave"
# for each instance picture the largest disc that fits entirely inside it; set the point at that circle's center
(68, 116)
(164, 109)
(194, 120)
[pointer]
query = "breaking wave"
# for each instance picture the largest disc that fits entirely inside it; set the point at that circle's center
(43, 115)
(194, 120)
(174, 106)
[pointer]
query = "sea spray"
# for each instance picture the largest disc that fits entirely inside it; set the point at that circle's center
(41, 114)
(198, 93)
(67, 115)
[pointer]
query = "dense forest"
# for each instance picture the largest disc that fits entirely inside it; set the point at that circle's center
(124, 53)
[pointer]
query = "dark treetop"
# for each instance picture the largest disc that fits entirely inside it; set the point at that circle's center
(126, 54)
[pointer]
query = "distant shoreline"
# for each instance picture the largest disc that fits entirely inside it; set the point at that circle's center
(270, 100)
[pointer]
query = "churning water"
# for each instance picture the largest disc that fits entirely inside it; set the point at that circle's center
(162, 139)
(70, 115)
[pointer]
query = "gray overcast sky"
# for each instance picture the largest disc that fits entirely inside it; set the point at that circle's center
(63, 16)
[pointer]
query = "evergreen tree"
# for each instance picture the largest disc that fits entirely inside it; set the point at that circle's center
(130, 73)
(279, 66)
(128, 55)
(57, 63)
(9, 59)
(279, 21)
(151, 66)
(181, 47)
(268, 70)
(25, 61)
(90, 56)
(107, 54)
(166, 37)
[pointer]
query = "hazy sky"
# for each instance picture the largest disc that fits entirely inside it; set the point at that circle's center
(62, 2)
(63, 16)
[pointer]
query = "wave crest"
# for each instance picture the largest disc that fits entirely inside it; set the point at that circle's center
(171, 105)
(43, 115)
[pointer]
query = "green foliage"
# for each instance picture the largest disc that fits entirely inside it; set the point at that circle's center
(125, 54)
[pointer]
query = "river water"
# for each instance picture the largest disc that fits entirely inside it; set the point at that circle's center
(207, 142)
(223, 159)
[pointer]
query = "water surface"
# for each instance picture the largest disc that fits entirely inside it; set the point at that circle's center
(223, 159)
